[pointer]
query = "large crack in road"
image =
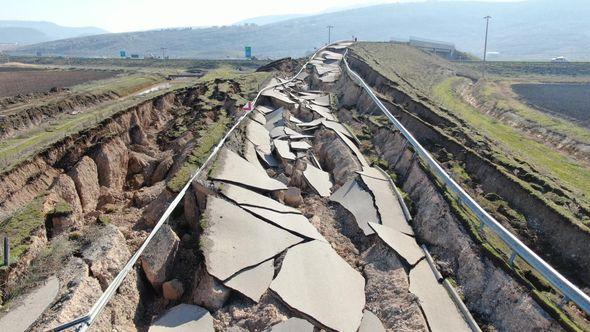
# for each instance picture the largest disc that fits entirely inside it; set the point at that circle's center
(296, 224)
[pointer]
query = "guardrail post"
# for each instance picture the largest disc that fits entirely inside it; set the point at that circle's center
(6, 251)
(563, 301)
(512, 258)
(481, 226)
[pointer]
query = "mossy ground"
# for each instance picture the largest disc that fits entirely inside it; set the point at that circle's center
(21, 225)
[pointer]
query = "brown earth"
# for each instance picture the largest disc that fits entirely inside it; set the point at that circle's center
(36, 80)
(486, 287)
(106, 179)
(558, 238)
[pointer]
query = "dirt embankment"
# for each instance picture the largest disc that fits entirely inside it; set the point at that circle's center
(101, 191)
(554, 139)
(11, 123)
(491, 294)
(558, 238)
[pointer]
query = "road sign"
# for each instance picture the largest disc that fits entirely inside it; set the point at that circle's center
(248, 51)
(248, 107)
(123, 54)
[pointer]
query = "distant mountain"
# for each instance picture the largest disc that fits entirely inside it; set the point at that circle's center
(533, 29)
(262, 20)
(29, 32)
(17, 35)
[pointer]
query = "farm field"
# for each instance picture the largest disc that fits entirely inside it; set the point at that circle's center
(25, 81)
(159, 65)
(571, 100)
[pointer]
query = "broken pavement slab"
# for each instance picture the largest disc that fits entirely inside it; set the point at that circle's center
(268, 159)
(283, 149)
(275, 118)
(243, 196)
(388, 206)
(359, 155)
(313, 123)
(278, 132)
(295, 223)
(230, 167)
(278, 95)
(317, 282)
(251, 155)
(323, 112)
(254, 281)
(258, 117)
(371, 323)
(293, 324)
(184, 317)
(318, 180)
(234, 240)
(300, 146)
(264, 109)
(337, 126)
(32, 306)
(359, 203)
(404, 245)
(259, 136)
(294, 119)
(440, 311)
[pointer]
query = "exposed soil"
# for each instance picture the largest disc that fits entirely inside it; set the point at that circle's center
(498, 301)
(28, 81)
(545, 230)
(13, 122)
(561, 99)
(546, 135)
(101, 192)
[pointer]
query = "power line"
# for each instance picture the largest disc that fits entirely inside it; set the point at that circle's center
(485, 47)
(330, 27)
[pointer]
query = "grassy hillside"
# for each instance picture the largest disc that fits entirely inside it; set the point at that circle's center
(28, 32)
(442, 83)
(516, 32)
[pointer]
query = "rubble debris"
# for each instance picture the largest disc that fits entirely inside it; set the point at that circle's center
(254, 281)
(359, 203)
(404, 245)
(184, 317)
(234, 240)
(441, 312)
(318, 180)
(233, 168)
(317, 282)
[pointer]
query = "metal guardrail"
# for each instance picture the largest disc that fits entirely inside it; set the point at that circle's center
(452, 292)
(87, 320)
(567, 288)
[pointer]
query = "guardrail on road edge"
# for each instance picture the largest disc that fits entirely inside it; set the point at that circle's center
(567, 288)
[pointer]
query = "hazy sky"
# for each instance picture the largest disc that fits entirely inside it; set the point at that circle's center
(131, 15)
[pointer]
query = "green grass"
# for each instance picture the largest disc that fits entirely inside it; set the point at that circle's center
(209, 137)
(408, 66)
(490, 92)
(552, 163)
(21, 225)
(122, 86)
(16, 150)
(62, 208)
(50, 260)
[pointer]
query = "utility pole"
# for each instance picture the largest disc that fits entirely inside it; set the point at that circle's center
(485, 47)
(163, 53)
(330, 27)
